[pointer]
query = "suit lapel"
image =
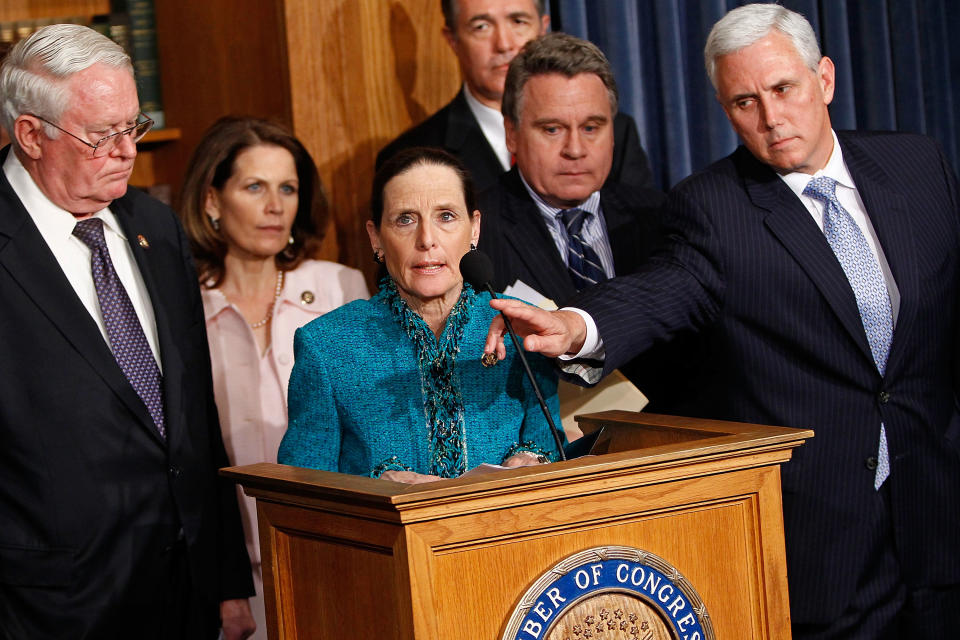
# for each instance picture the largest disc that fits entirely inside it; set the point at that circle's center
(526, 232)
(788, 219)
(623, 244)
(465, 136)
(26, 257)
(889, 213)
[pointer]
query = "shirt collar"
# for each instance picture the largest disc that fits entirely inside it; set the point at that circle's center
(51, 220)
(488, 117)
(591, 205)
(835, 168)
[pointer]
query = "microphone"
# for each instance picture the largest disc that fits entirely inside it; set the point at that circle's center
(477, 270)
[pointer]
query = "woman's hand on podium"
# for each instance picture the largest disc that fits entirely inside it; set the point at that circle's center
(408, 477)
(525, 459)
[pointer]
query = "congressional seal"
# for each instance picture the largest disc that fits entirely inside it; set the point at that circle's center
(610, 593)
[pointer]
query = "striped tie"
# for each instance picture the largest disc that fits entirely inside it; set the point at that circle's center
(859, 264)
(583, 263)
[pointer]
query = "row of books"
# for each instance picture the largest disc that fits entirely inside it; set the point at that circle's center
(130, 24)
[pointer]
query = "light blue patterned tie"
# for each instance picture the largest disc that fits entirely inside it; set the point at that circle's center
(127, 340)
(869, 287)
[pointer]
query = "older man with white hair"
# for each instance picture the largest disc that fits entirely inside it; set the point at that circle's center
(114, 522)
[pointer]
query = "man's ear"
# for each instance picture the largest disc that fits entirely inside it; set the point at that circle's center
(450, 37)
(28, 130)
(826, 76)
(510, 131)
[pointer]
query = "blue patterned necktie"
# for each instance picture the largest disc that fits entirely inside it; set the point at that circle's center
(869, 287)
(583, 263)
(127, 340)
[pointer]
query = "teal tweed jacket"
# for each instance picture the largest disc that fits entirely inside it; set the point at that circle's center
(373, 389)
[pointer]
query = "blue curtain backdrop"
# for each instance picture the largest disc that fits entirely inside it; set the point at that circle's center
(898, 68)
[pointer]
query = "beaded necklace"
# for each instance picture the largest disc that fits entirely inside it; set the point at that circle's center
(439, 383)
(276, 296)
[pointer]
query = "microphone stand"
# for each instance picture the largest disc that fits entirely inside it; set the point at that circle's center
(533, 381)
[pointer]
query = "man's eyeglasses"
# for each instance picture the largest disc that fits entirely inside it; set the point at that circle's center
(106, 144)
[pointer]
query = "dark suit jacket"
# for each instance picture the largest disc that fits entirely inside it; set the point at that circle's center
(90, 495)
(514, 235)
(454, 129)
(751, 271)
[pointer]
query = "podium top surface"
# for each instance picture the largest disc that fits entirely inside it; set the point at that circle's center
(643, 449)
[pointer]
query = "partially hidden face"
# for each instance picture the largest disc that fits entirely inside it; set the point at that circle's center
(777, 104)
(102, 100)
(563, 142)
(258, 203)
(424, 231)
(489, 33)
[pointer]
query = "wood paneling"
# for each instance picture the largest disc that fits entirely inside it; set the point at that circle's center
(217, 57)
(30, 9)
(362, 71)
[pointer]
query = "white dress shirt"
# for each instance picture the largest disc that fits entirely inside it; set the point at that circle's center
(491, 124)
(56, 226)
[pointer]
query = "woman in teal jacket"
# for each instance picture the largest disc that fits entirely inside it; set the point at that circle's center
(396, 386)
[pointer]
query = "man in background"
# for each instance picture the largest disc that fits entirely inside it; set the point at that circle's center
(485, 35)
(822, 270)
(554, 221)
(114, 521)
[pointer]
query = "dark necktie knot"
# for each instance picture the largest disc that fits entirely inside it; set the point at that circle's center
(90, 232)
(583, 262)
(573, 220)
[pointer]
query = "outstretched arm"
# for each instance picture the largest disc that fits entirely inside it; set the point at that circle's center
(552, 333)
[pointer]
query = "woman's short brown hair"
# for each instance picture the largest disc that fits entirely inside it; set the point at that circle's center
(212, 164)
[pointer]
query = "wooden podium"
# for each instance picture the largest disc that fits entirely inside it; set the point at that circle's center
(352, 557)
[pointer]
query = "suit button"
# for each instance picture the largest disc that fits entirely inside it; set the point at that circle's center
(284, 358)
(174, 471)
(884, 397)
(871, 463)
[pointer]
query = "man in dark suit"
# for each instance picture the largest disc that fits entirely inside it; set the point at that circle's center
(559, 101)
(823, 271)
(114, 521)
(485, 35)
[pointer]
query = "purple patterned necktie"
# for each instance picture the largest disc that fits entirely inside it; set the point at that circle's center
(127, 340)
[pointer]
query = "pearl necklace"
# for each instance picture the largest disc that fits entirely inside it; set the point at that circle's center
(276, 296)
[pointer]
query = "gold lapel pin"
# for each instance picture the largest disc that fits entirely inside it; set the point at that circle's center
(307, 297)
(143, 241)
